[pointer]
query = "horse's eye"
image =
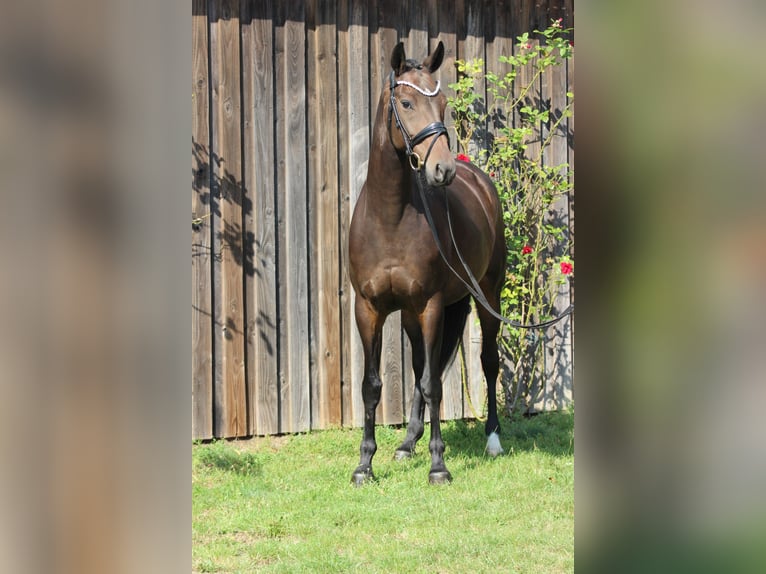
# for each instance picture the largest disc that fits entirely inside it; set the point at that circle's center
(406, 104)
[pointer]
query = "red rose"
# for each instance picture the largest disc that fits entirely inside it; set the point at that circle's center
(566, 268)
(526, 250)
(463, 157)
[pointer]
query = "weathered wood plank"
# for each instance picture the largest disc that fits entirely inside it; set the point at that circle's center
(386, 19)
(229, 394)
(353, 150)
(500, 31)
(571, 161)
(416, 26)
(571, 157)
(416, 46)
(290, 66)
(558, 356)
(324, 209)
(442, 24)
(474, 401)
(558, 353)
(259, 182)
(469, 47)
(497, 42)
(202, 311)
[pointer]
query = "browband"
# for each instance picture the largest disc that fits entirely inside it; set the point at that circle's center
(418, 88)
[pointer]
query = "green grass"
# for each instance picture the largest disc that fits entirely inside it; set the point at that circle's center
(286, 504)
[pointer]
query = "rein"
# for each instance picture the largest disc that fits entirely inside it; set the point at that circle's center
(474, 289)
(437, 129)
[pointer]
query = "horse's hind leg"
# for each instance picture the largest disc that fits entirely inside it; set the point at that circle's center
(370, 325)
(490, 363)
(415, 425)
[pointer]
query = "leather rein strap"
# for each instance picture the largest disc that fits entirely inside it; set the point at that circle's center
(474, 289)
(437, 129)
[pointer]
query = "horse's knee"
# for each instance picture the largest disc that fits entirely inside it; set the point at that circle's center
(372, 386)
(432, 393)
(490, 358)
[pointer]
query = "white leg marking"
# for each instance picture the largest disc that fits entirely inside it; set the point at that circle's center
(493, 445)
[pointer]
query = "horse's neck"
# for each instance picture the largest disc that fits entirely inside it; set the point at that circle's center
(389, 180)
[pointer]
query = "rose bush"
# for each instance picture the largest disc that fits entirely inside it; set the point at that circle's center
(496, 134)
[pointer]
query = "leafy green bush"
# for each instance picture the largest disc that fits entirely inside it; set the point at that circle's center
(497, 135)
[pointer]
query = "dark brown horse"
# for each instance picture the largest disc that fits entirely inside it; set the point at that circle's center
(395, 263)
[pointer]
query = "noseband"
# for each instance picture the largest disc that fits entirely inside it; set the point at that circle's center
(433, 129)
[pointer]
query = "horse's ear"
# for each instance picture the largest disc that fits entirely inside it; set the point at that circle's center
(398, 59)
(433, 61)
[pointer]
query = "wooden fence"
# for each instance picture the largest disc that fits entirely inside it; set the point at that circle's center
(283, 99)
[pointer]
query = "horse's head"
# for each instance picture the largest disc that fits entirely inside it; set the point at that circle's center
(417, 105)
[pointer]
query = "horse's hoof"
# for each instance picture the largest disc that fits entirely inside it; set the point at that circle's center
(402, 455)
(440, 477)
(362, 476)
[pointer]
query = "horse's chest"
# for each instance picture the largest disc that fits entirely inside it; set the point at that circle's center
(394, 279)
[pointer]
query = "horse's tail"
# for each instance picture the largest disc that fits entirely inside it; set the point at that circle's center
(455, 316)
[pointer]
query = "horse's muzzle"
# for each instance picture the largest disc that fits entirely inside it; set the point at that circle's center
(442, 174)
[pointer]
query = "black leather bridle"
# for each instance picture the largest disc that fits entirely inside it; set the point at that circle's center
(433, 129)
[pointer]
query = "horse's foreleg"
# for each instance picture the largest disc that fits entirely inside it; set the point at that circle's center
(431, 323)
(415, 425)
(370, 325)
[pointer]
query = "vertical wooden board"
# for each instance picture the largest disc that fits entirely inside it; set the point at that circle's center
(353, 151)
(293, 294)
(571, 162)
(385, 19)
(202, 310)
(499, 43)
(391, 408)
(260, 233)
(557, 355)
(471, 48)
(313, 246)
(452, 391)
(502, 38)
(344, 216)
(416, 42)
(215, 218)
(474, 400)
(442, 24)
(324, 211)
(570, 152)
(230, 394)
(416, 46)
(525, 19)
(536, 380)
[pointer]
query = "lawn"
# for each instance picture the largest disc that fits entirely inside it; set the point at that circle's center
(286, 504)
